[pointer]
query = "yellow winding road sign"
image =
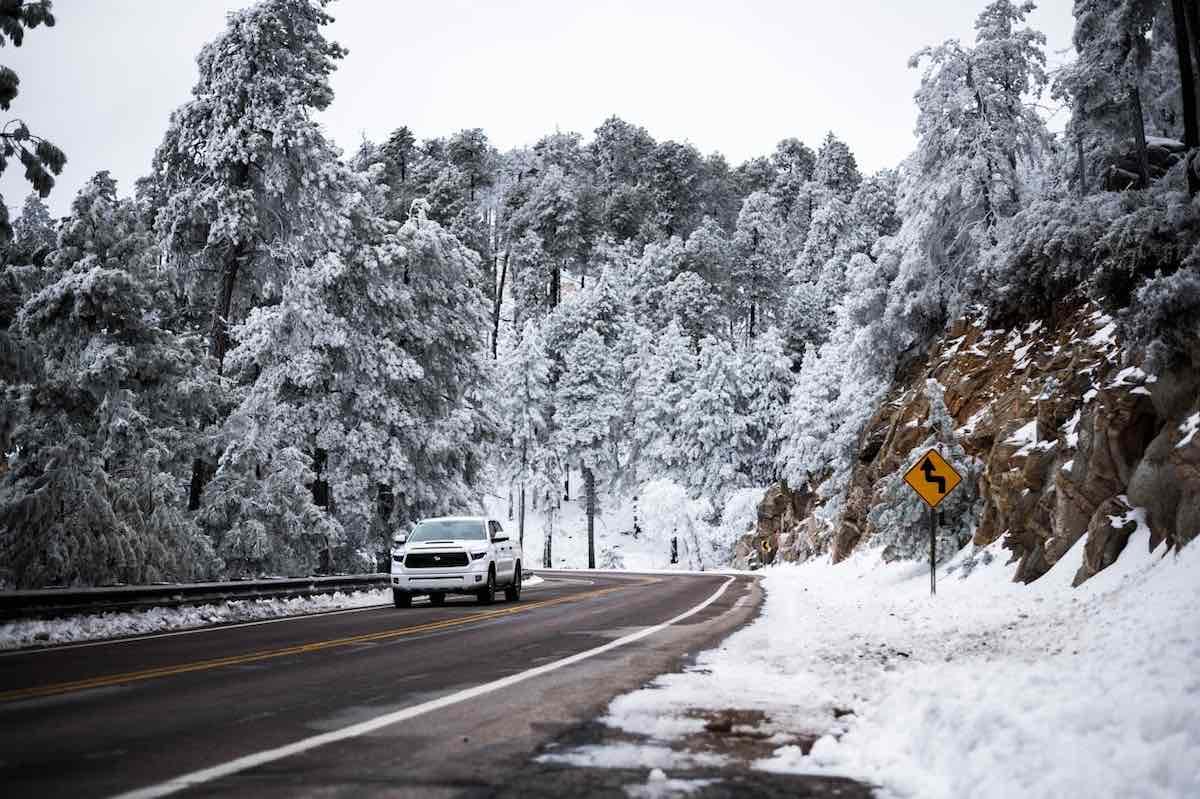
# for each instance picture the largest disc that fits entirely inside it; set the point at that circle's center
(933, 478)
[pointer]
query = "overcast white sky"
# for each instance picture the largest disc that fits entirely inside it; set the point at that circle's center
(733, 77)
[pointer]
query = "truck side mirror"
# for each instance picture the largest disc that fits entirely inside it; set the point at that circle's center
(399, 539)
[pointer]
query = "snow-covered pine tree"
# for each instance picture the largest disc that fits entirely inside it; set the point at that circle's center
(900, 517)
(758, 268)
(1106, 82)
(661, 379)
(33, 235)
(587, 404)
(794, 163)
(836, 168)
(766, 382)
(367, 377)
(712, 423)
(243, 164)
(523, 382)
(93, 489)
(975, 121)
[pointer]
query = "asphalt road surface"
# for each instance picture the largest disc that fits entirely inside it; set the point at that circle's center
(376, 702)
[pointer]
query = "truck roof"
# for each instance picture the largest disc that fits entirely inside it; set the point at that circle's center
(456, 519)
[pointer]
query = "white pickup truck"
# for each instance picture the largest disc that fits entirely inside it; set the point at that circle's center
(454, 555)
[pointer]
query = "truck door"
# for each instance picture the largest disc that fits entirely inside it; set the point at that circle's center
(505, 560)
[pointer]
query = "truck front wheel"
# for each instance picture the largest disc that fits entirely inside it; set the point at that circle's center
(487, 594)
(401, 599)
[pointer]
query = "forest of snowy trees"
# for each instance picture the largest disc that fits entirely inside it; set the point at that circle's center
(269, 354)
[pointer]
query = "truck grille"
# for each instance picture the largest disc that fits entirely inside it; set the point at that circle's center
(435, 560)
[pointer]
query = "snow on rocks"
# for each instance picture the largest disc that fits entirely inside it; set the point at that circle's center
(1189, 428)
(989, 689)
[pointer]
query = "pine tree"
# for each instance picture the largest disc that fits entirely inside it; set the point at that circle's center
(41, 159)
(758, 269)
(836, 169)
(661, 379)
(367, 377)
(794, 162)
(242, 164)
(900, 518)
(523, 381)
(92, 492)
(766, 381)
(974, 122)
(33, 235)
(713, 424)
(586, 406)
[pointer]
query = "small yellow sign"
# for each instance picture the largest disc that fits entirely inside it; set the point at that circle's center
(933, 478)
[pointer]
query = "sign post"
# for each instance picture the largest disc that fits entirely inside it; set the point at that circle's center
(933, 478)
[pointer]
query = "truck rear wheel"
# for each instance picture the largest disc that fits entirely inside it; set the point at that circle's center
(512, 591)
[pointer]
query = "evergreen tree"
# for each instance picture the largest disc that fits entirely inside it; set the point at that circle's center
(836, 169)
(92, 492)
(974, 122)
(712, 423)
(41, 159)
(758, 269)
(33, 235)
(794, 163)
(242, 164)
(523, 380)
(661, 379)
(900, 518)
(586, 406)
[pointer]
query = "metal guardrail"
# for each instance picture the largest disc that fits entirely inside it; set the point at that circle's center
(54, 602)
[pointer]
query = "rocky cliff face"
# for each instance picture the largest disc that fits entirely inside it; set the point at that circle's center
(1071, 443)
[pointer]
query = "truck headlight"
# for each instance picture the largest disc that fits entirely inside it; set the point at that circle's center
(477, 555)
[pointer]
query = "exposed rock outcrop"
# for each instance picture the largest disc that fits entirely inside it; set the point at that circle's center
(1073, 443)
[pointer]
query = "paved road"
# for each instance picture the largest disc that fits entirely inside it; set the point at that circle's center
(103, 719)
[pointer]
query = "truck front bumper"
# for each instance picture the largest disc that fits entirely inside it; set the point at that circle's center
(448, 582)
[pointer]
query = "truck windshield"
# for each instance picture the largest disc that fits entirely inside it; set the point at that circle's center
(449, 529)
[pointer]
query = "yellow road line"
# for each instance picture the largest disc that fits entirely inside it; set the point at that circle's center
(300, 649)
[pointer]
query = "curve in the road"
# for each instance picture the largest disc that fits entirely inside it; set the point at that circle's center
(355, 730)
(301, 649)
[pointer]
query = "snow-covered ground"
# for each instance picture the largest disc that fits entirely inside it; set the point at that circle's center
(989, 689)
(663, 511)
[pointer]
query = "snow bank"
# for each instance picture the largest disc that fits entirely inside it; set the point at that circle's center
(74, 629)
(989, 689)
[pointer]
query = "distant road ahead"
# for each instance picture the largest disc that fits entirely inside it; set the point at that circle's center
(390, 691)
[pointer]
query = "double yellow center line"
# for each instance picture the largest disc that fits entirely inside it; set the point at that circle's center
(300, 649)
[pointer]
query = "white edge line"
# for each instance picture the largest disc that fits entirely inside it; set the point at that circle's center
(194, 778)
(210, 628)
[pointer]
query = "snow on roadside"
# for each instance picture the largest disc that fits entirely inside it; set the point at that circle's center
(989, 689)
(36, 632)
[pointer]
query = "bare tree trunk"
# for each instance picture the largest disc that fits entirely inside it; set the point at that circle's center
(1189, 62)
(567, 485)
(218, 335)
(218, 345)
(496, 302)
(989, 211)
(1139, 137)
(1082, 169)
(589, 479)
(521, 520)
